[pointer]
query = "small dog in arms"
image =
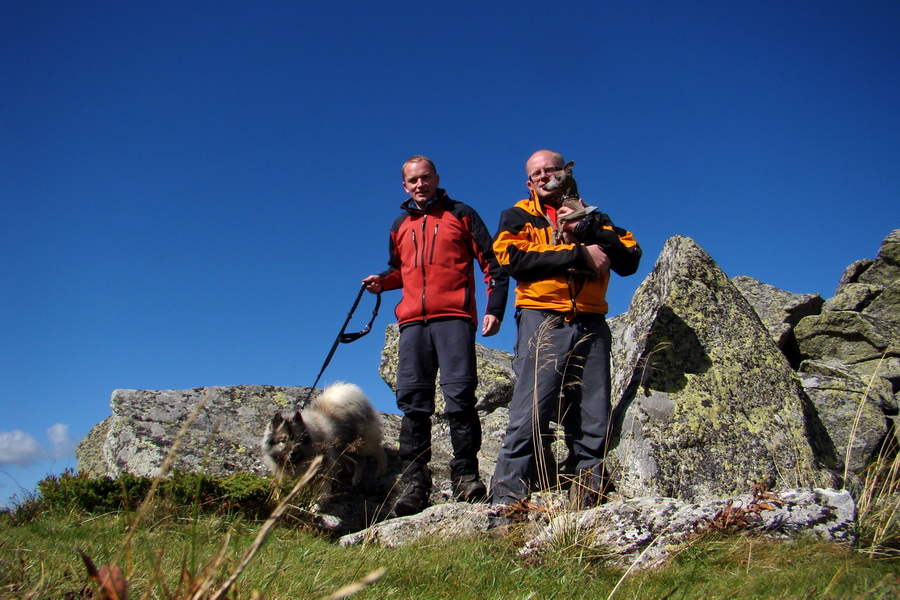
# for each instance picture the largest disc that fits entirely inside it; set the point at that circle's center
(563, 180)
(339, 424)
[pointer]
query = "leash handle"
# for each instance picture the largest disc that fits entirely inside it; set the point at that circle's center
(346, 338)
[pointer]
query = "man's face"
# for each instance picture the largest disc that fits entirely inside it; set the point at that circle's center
(540, 168)
(420, 181)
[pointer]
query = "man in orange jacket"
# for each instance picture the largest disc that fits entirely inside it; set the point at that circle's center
(562, 359)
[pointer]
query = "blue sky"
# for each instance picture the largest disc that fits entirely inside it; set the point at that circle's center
(190, 193)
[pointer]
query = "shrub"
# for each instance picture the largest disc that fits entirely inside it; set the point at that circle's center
(242, 493)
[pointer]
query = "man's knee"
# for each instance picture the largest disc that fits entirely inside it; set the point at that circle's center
(416, 402)
(459, 396)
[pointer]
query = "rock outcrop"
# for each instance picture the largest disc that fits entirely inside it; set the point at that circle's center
(851, 356)
(718, 385)
(636, 532)
(704, 402)
(223, 437)
(779, 311)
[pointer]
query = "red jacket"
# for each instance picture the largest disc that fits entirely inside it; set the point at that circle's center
(431, 254)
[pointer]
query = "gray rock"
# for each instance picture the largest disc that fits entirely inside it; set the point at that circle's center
(777, 309)
(853, 272)
(639, 531)
(860, 326)
(886, 268)
(853, 297)
(705, 404)
(224, 437)
(89, 451)
(886, 367)
(851, 410)
(849, 337)
(444, 520)
(642, 531)
(826, 514)
(885, 307)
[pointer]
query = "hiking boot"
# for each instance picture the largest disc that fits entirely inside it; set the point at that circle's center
(414, 499)
(469, 488)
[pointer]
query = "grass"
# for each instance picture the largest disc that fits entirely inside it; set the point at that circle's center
(39, 559)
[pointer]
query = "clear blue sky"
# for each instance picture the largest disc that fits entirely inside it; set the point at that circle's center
(192, 192)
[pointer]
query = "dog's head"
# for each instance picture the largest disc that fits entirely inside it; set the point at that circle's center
(287, 443)
(564, 181)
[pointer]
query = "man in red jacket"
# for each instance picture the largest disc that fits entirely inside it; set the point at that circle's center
(432, 247)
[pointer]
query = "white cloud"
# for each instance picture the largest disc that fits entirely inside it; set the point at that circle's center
(22, 449)
(61, 445)
(19, 448)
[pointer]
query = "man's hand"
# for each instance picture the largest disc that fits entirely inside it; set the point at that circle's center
(373, 284)
(490, 325)
(598, 261)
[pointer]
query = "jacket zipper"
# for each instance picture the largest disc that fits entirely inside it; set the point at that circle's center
(433, 244)
(424, 313)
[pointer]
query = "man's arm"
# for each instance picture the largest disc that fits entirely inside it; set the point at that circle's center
(525, 249)
(495, 277)
(391, 278)
(619, 244)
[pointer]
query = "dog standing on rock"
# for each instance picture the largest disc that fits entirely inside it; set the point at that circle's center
(340, 425)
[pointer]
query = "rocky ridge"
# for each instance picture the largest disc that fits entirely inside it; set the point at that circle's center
(720, 385)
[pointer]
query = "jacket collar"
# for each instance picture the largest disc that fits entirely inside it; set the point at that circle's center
(410, 206)
(537, 207)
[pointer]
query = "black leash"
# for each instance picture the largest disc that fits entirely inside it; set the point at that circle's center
(346, 338)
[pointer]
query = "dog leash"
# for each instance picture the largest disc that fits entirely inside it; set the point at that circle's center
(346, 338)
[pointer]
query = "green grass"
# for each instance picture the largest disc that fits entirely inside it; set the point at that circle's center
(39, 559)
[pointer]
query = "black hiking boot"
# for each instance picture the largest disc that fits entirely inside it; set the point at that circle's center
(413, 499)
(469, 488)
(415, 489)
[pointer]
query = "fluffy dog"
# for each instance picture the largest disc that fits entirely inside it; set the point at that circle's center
(339, 424)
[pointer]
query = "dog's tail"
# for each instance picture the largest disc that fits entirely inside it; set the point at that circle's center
(341, 399)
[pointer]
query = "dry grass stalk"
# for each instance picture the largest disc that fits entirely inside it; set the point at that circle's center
(878, 504)
(352, 588)
(163, 471)
(267, 527)
(114, 585)
(856, 420)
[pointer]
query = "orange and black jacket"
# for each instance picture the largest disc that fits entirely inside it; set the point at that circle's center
(431, 254)
(547, 271)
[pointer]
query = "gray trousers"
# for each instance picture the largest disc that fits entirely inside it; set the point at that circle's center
(562, 375)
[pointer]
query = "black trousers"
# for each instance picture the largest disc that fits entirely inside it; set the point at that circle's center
(446, 346)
